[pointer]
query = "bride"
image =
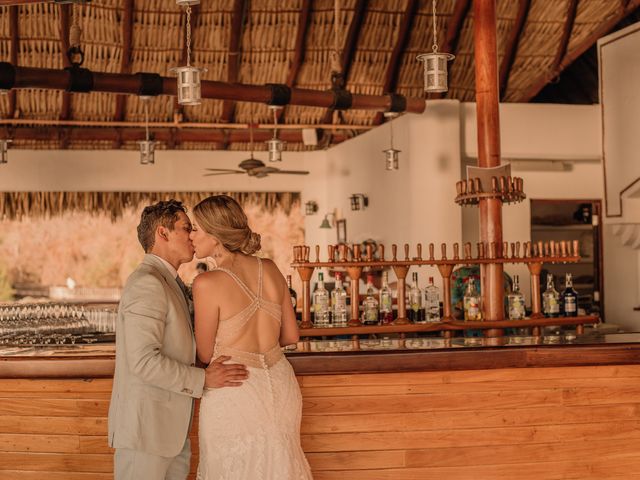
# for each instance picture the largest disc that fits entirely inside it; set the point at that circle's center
(243, 310)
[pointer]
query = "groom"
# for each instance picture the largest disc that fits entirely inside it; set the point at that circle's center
(156, 380)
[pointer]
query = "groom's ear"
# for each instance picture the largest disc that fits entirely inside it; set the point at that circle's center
(162, 232)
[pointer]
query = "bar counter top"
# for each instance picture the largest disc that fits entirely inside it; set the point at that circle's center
(97, 361)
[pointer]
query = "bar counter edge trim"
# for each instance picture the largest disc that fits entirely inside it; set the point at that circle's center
(364, 362)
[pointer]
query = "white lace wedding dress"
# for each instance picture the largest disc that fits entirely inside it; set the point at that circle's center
(252, 432)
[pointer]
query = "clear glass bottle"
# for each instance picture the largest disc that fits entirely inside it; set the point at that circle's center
(432, 302)
(370, 304)
(569, 298)
(292, 293)
(339, 303)
(415, 310)
(321, 304)
(386, 301)
(515, 301)
(550, 299)
(472, 311)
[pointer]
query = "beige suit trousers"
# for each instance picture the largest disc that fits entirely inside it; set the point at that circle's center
(136, 465)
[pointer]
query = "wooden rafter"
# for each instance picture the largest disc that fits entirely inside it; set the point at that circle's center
(349, 48)
(165, 135)
(125, 63)
(393, 67)
(299, 54)
(233, 62)
(512, 45)
(583, 46)
(15, 46)
(572, 9)
(65, 26)
(454, 28)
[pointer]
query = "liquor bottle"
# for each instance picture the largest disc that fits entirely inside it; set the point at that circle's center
(432, 302)
(292, 293)
(339, 303)
(386, 301)
(370, 304)
(416, 313)
(471, 300)
(550, 299)
(515, 301)
(321, 304)
(569, 298)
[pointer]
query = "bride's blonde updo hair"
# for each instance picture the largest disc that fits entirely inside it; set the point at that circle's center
(222, 217)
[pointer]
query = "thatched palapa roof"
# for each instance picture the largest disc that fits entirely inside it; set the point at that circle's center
(16, 205)
(274, 41)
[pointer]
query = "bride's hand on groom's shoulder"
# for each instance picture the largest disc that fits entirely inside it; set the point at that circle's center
(218, 374)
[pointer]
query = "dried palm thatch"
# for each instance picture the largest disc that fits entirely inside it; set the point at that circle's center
(16, 205)
(284, 41)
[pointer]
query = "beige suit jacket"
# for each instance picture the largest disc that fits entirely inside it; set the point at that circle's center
(155, 380)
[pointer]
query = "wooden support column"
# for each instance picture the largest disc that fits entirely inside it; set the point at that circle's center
(125, 63)
(488, 119)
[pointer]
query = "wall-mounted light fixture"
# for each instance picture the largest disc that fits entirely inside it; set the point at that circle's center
(4, 147)
(359, 201)
(328, 221)
(311, 207)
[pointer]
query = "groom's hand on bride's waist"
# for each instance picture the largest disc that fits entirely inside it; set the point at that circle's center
(218, 374)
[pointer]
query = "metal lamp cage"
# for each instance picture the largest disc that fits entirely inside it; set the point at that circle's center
(435, 71)
(275, 147)
(147, 152)
(392, 157)
(188, 87)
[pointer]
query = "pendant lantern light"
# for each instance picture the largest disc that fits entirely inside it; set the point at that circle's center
(188, 87)
(435, 63)
(147, 146)
(392, 156)
(274, 145)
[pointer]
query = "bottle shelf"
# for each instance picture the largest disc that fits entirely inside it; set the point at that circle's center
(453, 325)
(355, 264)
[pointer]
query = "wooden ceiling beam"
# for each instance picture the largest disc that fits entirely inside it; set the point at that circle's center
(393, 67)
(125, 62)
(234, 58)
(572, 9)
(569, 57)
(452, 36)
(15, 46)
(512, 45)
(53, 79)
(299, 52)
(65, 26)
(165, 135)
(348, 52)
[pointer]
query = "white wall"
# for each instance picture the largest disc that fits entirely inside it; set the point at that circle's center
(414, 204)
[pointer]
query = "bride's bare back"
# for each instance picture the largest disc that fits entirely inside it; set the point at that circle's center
(245, 308)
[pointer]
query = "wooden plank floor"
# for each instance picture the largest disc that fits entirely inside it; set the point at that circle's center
(537, 423)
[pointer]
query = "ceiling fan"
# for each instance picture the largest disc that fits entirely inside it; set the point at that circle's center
(254, 168)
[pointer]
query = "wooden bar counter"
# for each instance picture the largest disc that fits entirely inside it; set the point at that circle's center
(568, 411)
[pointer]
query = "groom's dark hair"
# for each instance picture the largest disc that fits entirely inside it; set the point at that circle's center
(163, 213)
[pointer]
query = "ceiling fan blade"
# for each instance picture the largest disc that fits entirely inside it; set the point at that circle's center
(222, 169)
(221, 173)
(292, 172)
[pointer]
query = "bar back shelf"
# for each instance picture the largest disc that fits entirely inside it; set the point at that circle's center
(355, 262)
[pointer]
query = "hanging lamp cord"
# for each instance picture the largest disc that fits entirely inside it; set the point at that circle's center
(188, 10)
(434, 47)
